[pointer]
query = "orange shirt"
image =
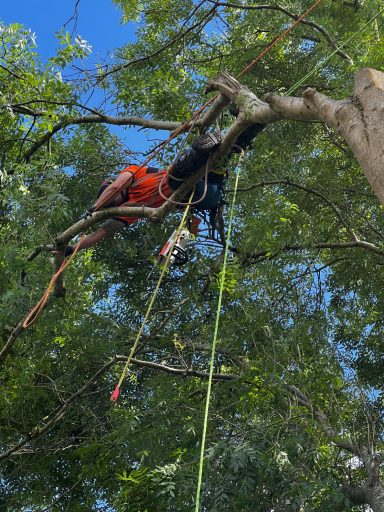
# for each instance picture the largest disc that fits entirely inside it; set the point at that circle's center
(144, 190)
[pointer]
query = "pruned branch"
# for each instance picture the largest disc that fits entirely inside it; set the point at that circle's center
(357, 118)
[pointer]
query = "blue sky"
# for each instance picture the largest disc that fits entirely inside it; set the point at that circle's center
(98, 22)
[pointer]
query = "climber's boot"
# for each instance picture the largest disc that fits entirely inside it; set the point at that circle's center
(188, 162)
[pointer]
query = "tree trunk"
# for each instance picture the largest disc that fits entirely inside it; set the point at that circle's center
(376, 498)
(359, 119)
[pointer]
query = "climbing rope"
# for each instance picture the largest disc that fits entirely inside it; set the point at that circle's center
(115, 394)
(222, 278)
(279, 38)
(214, 342)
(38, 308)
(223, 272)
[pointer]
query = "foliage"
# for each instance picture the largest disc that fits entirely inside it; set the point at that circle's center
(294, 314)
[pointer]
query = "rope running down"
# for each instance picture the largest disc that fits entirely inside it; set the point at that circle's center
(214, 342)
(124, 373)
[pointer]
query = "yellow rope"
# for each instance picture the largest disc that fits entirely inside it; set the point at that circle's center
(124, 373)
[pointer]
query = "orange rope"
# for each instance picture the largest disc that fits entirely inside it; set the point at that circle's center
(281, 36)
(194, 116)
(38, 308)
(210, 101)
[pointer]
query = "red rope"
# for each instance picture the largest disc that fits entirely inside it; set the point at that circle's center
(209, 102)
(194, 116)
(281, 36)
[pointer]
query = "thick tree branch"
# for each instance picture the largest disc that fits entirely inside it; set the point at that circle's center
(254, 110)
(359, 119)
(322, 419)
(353, 244)
(287, 107)
(184, 372)
(99, 118)
(371, 492)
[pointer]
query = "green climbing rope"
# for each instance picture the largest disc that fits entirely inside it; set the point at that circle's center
(218, 311)
(222, 278)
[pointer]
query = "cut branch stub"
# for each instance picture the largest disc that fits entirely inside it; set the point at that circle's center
(244, 99)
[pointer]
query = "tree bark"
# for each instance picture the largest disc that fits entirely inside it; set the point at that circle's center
(358, 118)
(376, 495)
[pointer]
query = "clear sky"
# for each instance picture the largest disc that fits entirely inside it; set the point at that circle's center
(98, 21)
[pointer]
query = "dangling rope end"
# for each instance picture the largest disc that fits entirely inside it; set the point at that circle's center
(115, 394)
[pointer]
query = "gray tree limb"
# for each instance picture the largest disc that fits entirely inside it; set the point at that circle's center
(371, 492)
(359, 119)
(98, 118)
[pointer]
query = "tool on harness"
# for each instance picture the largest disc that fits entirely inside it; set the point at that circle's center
(86, 214)
(179, 254)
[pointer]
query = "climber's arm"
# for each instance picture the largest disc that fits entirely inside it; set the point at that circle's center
(122, 182)
(109, 228)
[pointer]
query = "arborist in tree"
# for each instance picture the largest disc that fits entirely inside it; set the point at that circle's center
(149, 186)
